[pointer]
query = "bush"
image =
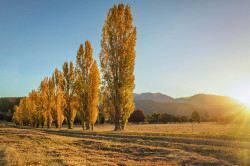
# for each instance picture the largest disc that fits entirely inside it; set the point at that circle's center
(137, 116)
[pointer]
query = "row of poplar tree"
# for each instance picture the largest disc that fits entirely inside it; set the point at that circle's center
(77, 90)
(62, 96)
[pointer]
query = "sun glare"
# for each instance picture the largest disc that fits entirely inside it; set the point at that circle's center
(241, 92)
(245, 100)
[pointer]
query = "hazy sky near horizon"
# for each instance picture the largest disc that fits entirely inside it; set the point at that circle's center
(183, 47)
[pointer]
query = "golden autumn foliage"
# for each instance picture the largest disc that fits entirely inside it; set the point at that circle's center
(46, 93)
(28, 112)
(84, 60)
(94, 83)
(40, 106)
(117, 59)
(34, 107)
(43, 97)
(24, 107)
(17, 115)
(51, 92)
(87, 86)
(21, 115)
(69, 93)
(76, 90)
(57, 99)
(58, 103)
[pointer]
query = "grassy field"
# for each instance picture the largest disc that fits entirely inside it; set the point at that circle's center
(205, 130)
(144, 144)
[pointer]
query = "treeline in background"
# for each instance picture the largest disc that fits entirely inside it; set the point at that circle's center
(138, 116)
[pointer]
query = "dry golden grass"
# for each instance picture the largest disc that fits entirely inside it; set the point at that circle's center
(205, 127)
(30, 146)
(36, 148)
(12, 157)
(208, 130)
(205, 130)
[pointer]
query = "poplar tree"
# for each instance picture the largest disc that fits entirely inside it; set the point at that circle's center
(69, 93)
(43, 90)
(94, 83)
(23, 109)
(28, 111)
(58, 101)
(105, 104)
(50, 97)
(87, 85)
(84, 61)
(17, 116)
(117, 59)
(34, 107)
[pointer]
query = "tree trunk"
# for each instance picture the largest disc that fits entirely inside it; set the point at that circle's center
(117, 126)
(70, 124)
(83, 125)
(87, 126)
(56, 124)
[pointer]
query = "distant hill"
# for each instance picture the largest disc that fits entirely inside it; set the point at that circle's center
(215, 105)
(150, 102)
(157, 97)
(7, 103)
(149, 106)
(206, 104)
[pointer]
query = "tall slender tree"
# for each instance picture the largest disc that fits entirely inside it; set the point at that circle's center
(34, 106)
(69, 93)
(51, 92)
(94, 83)
(23, 109)
(59, 101)
(86, 86)
(84, 61)
(43, 90)
(117, 59)
(17, 116)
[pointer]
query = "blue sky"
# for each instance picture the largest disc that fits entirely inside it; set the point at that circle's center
(183, 47)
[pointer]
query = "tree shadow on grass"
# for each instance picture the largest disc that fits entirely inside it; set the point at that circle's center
(235, 144)
(2, 160)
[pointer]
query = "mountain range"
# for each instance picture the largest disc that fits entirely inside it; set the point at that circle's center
(207, 105)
